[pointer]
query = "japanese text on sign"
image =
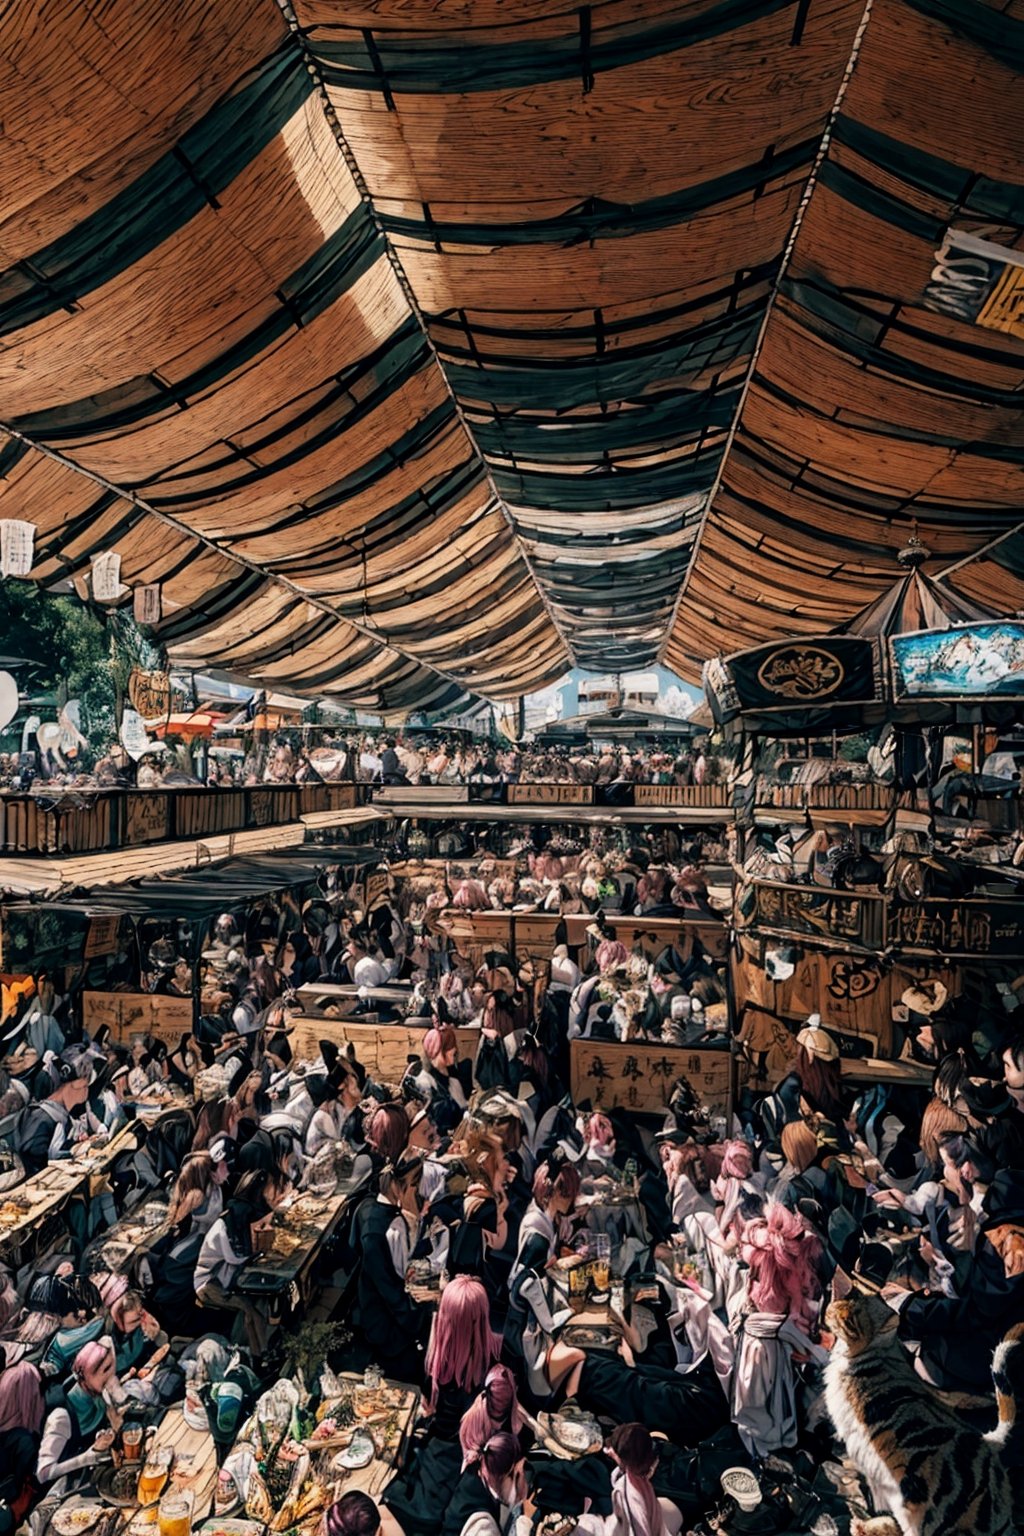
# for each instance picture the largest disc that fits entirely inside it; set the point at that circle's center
(639, 1075)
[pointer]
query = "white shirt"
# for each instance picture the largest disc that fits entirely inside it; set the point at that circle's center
(325, 1126)
(55, 1436)
(218, 1263)
(398, 1239)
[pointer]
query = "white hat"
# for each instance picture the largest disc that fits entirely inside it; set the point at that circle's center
(817, 1041)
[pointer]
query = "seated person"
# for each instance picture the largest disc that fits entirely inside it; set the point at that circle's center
(80, 1427)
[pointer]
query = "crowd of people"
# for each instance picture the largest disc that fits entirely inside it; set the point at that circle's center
(487, 1208)
(289, 758)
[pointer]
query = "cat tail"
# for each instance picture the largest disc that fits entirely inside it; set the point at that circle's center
(1008, 1378)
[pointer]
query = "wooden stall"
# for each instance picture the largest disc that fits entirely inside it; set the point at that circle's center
(531, 935)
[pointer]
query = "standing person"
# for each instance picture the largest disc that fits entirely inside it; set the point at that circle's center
(391, 770)
(393, 1324)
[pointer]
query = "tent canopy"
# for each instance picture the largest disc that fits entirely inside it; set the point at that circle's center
(415, 352)
(918, 654)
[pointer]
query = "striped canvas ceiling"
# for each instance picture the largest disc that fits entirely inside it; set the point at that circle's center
(413, 346)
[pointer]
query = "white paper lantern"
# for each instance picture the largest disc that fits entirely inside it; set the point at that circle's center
(8, 699)
(133, 735)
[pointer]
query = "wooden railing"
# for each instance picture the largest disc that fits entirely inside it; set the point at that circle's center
(98, 820)
(682, 797)
(826, 797)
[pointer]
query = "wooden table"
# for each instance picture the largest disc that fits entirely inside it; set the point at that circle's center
(46, 1193)
(374, 1478)
(49, 1191)
(127, 1240)
(194, 1469)
(872, 1069)
(268, 1274)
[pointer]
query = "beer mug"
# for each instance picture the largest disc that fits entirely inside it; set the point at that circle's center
(174, 1516)
(131, 1441)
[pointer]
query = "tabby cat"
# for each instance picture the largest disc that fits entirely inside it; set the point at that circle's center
(923, 1463)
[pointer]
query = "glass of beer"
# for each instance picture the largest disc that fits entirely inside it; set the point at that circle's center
(152, 1480)
(131, 1440)
(175, 1514)
(600, 1266)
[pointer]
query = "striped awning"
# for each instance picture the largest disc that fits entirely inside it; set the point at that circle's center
(412, 349)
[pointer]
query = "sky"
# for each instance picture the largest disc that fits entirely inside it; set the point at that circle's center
(674, 696)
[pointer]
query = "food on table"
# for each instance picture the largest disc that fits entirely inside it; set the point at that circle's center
(576, 1432)
(74, 1519)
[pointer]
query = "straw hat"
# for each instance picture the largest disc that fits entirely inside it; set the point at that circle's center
(817, 1041)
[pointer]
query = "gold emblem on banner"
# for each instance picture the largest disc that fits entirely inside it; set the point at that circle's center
(801, 672)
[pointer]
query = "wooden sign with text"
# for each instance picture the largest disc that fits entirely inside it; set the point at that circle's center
(137, 1013)
(654, 934)
(683, 795)
(969, 928)
(101, 936)
(383, 1049)
(639, 1074)
(550, 794)
(378, 883)
(146, 819)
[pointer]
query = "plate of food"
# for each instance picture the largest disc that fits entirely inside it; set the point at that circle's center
(578, 1433)
(120, 1485)
(74, 1519)
(359, 1452)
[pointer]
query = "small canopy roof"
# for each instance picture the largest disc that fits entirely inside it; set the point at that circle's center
(914, 655)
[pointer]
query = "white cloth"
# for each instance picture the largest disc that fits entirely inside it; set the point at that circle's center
(218, 1263)
(324, 1127)
(399, 1240)
(764, 1380)
(629, 1516)
(484, 1524)
(55, 1436)
(368, 972)
(698, 1334)
(565, 975)
(535, 1221)
(538, 1333)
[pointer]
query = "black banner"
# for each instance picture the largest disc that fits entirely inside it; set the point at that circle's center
(792, 673)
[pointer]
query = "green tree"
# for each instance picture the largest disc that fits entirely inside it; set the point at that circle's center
(69, 649)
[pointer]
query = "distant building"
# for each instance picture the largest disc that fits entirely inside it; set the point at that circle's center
(632, 690)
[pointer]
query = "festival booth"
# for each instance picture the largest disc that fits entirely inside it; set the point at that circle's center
(870, 891)
(138, 957)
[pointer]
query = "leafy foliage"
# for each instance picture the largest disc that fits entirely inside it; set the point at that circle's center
(73, 652)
